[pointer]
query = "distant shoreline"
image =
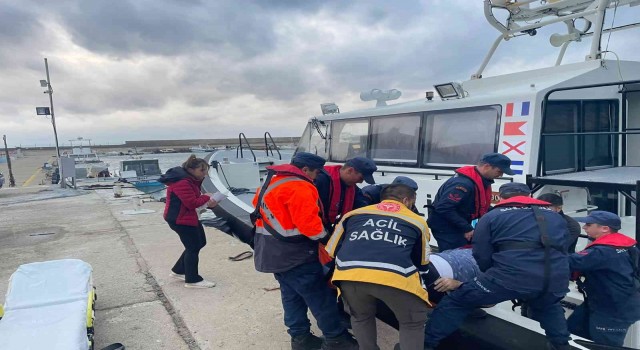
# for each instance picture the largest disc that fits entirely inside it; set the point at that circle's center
(178, 145)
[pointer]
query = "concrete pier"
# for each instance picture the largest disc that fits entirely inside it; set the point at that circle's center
(27, 170)
(139, 304)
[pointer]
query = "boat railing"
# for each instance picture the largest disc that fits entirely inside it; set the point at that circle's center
(239, 149)
(269, 147)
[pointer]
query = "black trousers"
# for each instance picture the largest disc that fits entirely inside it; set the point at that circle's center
(193, 239)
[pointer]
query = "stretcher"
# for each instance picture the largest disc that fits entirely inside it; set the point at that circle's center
(49, 305)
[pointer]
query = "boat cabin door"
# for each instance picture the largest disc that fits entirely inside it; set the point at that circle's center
(588, 128)
(631, 113)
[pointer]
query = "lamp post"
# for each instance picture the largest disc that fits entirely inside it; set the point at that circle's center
(12, 181)
(47, 84)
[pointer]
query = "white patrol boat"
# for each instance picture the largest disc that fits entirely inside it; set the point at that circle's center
(571, 129)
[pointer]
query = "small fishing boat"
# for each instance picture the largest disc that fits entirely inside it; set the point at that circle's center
(141, 173)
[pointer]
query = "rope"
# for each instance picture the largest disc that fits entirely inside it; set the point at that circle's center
(241, 256)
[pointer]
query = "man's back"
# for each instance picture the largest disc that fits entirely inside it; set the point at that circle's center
(378, 241)
(521, 269)
(289, 209)
(462, 265)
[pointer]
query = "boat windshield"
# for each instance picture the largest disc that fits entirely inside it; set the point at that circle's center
(142, 167)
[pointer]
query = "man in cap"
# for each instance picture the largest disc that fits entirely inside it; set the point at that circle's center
(339, 194)
(337, 187)
(288, 230)
(515, 264)
(573, 226)
(463, 198)
(380, 250)
(609, 265)
(372, 192)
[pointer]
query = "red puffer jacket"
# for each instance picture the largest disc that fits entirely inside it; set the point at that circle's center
(183, 197)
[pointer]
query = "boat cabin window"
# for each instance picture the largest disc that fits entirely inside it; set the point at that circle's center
(349, 139)
(461, 136)
(312, 142)
(143, 168)
(632, 156)
(573, 149)
(560, 154)
(395, 139)
(600, 150)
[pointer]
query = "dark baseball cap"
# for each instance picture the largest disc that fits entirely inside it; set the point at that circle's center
(403, 180)
(603, 218)
(498, 160)
(308, 159)
(514, 187)
(364, 166)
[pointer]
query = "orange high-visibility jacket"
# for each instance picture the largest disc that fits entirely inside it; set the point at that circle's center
(290, 206)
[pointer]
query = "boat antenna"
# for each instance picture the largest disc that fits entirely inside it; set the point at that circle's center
(523, 18)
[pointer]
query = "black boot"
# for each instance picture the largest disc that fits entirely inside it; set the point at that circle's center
(343, 342)
(306, 342)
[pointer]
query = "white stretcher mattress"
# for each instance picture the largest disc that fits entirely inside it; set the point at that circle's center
(46, 306)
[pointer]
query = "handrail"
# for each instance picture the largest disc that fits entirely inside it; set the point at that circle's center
(622, 84)
(268, 147)
(240, 137)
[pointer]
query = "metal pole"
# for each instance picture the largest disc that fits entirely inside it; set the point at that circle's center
(594, 53)
(637, 211)
(12, 181)
(53, 122)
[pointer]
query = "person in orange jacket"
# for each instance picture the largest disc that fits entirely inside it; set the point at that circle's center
(288, 231)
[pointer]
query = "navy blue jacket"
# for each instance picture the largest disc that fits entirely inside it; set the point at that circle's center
(521, 270)
(574, 232)
(450, 214)
(606, 266)
(372, 193)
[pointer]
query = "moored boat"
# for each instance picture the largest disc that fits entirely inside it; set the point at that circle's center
(571, 129)
(142, 173)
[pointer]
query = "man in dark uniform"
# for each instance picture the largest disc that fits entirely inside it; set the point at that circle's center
(515, 264)
(372, 192)
(609, 265)
(339, 193)
(463, 198)
(338, 190)
(573, 226)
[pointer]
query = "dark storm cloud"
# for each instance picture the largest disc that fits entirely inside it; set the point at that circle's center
(256, 62)
(15, 24)
(169, 28)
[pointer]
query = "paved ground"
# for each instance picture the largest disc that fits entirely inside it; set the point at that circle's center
(138, 303)
(27, 170)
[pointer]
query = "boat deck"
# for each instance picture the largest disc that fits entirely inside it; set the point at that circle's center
(626, 178)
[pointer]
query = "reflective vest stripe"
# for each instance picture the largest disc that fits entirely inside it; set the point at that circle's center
(379, 265)
(273, 221)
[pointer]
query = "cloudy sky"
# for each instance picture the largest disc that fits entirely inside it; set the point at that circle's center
(180, 69)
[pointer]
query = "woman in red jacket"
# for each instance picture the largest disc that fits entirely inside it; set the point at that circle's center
(183, 199)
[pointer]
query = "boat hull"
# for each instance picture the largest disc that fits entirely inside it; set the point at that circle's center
(474, 333)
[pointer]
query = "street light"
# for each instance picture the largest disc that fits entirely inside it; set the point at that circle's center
(47, 84)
